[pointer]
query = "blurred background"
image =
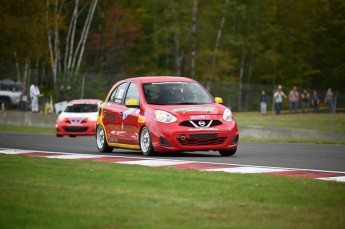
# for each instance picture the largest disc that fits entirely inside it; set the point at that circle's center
(235, 48)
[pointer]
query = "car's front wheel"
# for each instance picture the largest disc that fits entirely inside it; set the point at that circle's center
(146, 142)
(227, 153)
(101, 141)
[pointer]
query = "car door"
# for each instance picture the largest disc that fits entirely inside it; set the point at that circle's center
(130, 125)
(113, 110)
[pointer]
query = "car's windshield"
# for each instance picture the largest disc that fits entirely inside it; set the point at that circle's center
(175, 93)
(81, 108)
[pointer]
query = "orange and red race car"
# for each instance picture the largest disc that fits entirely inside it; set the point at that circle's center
(78, 118)
(165, 114)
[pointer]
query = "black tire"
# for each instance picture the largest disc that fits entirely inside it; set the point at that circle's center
(227, 153)
(59, 135)
(146, 142)
(101, 140)
(4, 104)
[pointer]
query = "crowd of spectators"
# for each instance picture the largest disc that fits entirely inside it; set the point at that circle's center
(303, 100)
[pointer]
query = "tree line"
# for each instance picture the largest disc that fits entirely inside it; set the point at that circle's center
(241, 42)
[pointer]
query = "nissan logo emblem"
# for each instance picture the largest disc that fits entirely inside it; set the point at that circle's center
(201, 123)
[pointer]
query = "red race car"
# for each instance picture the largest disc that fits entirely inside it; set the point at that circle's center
(165, 114)
(78, 118)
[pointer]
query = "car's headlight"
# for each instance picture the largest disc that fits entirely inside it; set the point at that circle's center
(162, 116)
(61, 118)
(227, 115)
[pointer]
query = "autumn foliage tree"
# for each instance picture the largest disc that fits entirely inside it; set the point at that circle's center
(233, 47)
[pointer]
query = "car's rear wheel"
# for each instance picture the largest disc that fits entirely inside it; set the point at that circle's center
(101, 141)
(227, 153)
(146, 142)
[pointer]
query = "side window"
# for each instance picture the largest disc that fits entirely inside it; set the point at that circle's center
(112, 96)
(133, 92)
(118, 93)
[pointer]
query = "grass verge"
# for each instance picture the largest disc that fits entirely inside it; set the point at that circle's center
(28, 129)
(320, 122)
(292, 140)
(54, 193)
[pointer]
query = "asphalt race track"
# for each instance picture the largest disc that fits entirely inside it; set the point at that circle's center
(288, 155)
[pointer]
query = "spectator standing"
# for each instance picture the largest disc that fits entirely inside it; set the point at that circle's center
(278, 99)
(329, 100)
(62, 93)
(315, 101)
(305, 100)
(34, 93)
(263, 103)
(293, 100)
(21, 101)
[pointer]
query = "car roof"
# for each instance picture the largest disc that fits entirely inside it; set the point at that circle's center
(85, 101)
(151, 79)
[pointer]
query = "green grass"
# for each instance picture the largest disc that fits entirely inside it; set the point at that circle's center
(291, 140)
(319, 122)
(54, 193)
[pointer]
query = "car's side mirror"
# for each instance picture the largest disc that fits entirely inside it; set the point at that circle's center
(218, 100)
(132, 103)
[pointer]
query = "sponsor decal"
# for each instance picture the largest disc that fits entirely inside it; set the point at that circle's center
(202, 129)
(185, 109)
(113, 140)
(159, 83)
(193, 117)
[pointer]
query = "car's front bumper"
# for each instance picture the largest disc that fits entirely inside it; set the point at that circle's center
(75, 130)
(171, 137)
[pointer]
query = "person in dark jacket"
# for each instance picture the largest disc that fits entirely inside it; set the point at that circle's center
(263, 102)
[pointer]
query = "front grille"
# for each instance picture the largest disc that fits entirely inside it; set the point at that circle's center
(202, 141)
(75, 128)
(201, 123)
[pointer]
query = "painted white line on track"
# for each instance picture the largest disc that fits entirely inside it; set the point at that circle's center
(155, 162)
(73, 156)
(245, 169)
(339, 179)
(234, 168)
(13, 151)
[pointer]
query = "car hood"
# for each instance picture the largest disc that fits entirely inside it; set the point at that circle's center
(195, 110)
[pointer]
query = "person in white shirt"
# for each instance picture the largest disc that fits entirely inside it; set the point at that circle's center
(34, 93)
(278, 99)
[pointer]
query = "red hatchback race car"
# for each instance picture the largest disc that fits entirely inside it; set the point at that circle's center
(78, 118)
(165, 114)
